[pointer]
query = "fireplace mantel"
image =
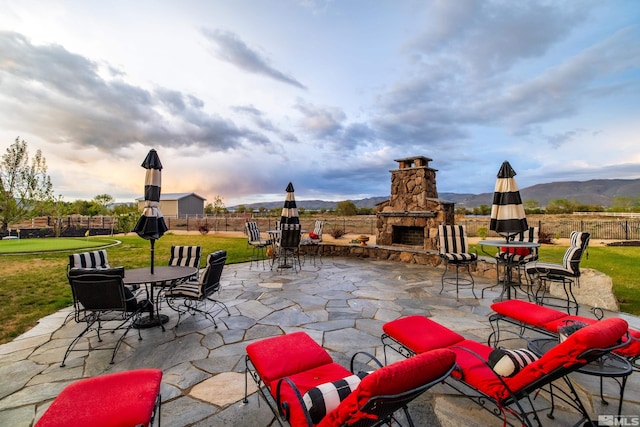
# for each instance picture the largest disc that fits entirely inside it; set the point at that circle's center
(407, 214)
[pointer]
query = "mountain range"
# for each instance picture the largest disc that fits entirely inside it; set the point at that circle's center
(600, 192)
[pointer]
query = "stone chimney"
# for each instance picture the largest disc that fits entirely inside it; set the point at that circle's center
(413, 212)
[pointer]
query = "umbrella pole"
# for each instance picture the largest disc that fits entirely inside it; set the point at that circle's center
(153, 241)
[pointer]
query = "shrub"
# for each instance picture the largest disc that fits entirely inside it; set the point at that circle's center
(483, 232)
(203, 227)
(544, 237)
(337, 233)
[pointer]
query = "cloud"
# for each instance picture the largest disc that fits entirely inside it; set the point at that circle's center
(234, 51)
(61, 97)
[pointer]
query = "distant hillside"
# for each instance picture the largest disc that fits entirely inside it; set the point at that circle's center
(593, 192)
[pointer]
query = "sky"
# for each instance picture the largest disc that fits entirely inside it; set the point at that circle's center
(241, 97)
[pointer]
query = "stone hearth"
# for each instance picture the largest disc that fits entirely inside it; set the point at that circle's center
(413, 212)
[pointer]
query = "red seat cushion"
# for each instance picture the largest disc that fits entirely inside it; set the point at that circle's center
(421, 334)
(396, 378)
(600, 335)
(286, 355)
(633, 348)
(475, 371)
(113, 400)
(555, 324)
(526, 312)
(517, 251)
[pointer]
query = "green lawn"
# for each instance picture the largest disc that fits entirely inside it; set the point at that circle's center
(44, 245)
(35, 285)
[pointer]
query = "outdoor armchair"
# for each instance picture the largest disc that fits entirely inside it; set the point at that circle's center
(101, 300)
(257, 243)
(453, 246)
(197, 296)
(567, 273)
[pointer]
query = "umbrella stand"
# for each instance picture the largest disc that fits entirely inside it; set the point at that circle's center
(151, 226)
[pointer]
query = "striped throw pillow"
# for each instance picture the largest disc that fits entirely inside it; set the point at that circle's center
(326, 397)
(507, 363)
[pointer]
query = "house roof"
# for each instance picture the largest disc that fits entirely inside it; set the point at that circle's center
(174, 196)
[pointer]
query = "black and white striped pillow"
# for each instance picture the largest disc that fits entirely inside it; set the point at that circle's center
(507, 363)
(326, 397)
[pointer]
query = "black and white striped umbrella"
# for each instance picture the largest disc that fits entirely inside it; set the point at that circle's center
(507, 211)
(289, 211)
(151, 225)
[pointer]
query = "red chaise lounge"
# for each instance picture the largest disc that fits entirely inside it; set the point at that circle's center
(547, 321)
(303, 386)
(505, 396)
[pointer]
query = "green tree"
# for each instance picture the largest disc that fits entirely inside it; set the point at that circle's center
(346, 208)
(127, 215)
(622, 204)
(103, 200)
(24, 184)
(218, 205)
(561, 206)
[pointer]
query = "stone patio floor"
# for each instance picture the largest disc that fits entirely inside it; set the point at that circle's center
(342, 303)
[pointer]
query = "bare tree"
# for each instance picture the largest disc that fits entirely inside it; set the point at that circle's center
(24, 184)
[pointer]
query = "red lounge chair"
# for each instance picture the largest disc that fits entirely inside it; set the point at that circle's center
(505, 396)
(547, 321)
(123, 399)
(288, 369)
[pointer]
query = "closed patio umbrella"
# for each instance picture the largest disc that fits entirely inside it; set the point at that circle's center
(507, 211)
(151, 225)
(289, 211)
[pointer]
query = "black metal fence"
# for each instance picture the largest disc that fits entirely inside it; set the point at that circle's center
(555, 227)
(562, 228)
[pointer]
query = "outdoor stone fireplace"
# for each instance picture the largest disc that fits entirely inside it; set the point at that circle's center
(413, 212)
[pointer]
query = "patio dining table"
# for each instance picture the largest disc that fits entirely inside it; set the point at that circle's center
(507, 282)
(160, 276)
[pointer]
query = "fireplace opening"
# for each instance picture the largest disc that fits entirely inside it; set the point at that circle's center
(412, 236)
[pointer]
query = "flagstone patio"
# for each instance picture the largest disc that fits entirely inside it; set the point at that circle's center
(342, 303)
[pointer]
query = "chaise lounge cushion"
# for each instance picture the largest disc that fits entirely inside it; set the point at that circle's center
(421, 334)
(272, 357)
(531, 314)
(392, 379)
(600, 335)
(119, 399)
(475, 372)
(550, 320)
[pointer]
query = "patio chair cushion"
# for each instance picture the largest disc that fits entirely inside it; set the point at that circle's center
(421, 334)
(286, 355)
(93, 259)
(392, 379)
(120, 399)
(324, 398)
